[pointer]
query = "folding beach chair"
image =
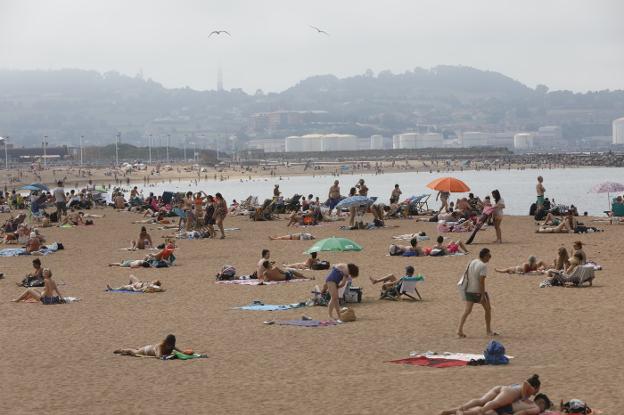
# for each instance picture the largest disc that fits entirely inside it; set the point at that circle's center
(421, 204)
(408, 287)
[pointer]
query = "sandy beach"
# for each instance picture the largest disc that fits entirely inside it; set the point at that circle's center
(60, 361)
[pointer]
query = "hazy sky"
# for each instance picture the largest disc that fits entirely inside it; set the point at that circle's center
(565, 44)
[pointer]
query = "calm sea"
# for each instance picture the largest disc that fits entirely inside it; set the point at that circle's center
(517, 187)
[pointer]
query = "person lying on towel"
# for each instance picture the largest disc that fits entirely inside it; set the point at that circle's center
(143, 286)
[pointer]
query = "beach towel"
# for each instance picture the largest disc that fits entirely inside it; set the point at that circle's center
(124, 291)
(45, 250)
(8, 252)
(437, 362)
(453, 356)
(181, 356)
(255, 282)
(270, 307)
(304, 323)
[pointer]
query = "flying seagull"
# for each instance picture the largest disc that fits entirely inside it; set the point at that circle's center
(218, 32)
(319, 30)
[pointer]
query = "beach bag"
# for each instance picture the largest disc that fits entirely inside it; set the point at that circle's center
(352, 294)
(395, 250)
(462, 284)
(320, 265)
(495, 354)
(228, 272)
(32, 282)
(575, 406)
(347, 314)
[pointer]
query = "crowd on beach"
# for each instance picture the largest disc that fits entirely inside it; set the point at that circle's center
(198, 215)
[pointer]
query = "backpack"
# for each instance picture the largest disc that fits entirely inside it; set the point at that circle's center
(228, 272)
(575, 406)
(395, 250)
(320, 265)
(495, 354)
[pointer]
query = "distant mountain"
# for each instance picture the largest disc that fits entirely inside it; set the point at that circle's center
(65, 104)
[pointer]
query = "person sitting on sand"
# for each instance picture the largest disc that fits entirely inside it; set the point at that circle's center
(47, 295)
(390, 281)
(143, 241)
(165, 348)
(131, 263)
(569, 277)
(301, 236)
(568, 224)
(143, 286)
(562, 261)
(307, 264)
(337, 279)
(119, 202)
(499, 400)
(33, 244)
(578, 249)
(531, 266)
(164, 254)
(273, 273)
(73, 218)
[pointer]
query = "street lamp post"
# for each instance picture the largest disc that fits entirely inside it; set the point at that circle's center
(184, 145)
(117, 137)
(81, 138)
(45, 153)
(149, 144)
(168, 140)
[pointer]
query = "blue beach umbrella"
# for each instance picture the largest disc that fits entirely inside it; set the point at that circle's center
(352, 201)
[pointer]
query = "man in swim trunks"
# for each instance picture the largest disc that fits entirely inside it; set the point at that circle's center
(273, 273)
(475, 293)
(540, 190)
(334, 196)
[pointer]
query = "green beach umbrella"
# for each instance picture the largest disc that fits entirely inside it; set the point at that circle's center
(334, 244)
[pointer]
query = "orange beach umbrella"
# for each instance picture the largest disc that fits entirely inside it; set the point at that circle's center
(449, 184)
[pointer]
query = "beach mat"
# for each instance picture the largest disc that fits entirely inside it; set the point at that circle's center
(270, 307)
(430, 362)
(255, 282)
(304, 323)
(182, 356)
(124, 291)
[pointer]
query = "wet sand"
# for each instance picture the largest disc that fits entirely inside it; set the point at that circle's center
(59, 360)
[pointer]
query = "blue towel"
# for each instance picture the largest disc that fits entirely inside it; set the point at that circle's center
(270, 307)
(13, 252)
(124, 291)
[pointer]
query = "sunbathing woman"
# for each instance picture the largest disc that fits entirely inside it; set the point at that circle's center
(562, 261)
(165, 348)
(337, 279)
(301, 236)
(532, 266)
(452, 247)
(143, 241)
(130, 263)
(568, 224)
(499, 399)
(47, 295)
(273, 273)
(304, 265)
(144, 286)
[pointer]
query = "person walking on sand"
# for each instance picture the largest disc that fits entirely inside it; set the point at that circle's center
(60, 200)
(497, 215)
(473, 283)
(220, 212)
(444, 197)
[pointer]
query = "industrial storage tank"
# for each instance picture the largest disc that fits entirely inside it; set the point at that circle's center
(523, 141)
(312, 142)
(339, 142)
(376, 142)
(407, 140)
(618, 131)
(293, 144)
(396, 141)
(429, 140)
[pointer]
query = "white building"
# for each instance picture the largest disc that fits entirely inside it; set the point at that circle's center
(323, 142)
(618, 131)
(293, 144)
(548, 136)
(417, 140)
(523, 141)
(268, 145)
(396, 141)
